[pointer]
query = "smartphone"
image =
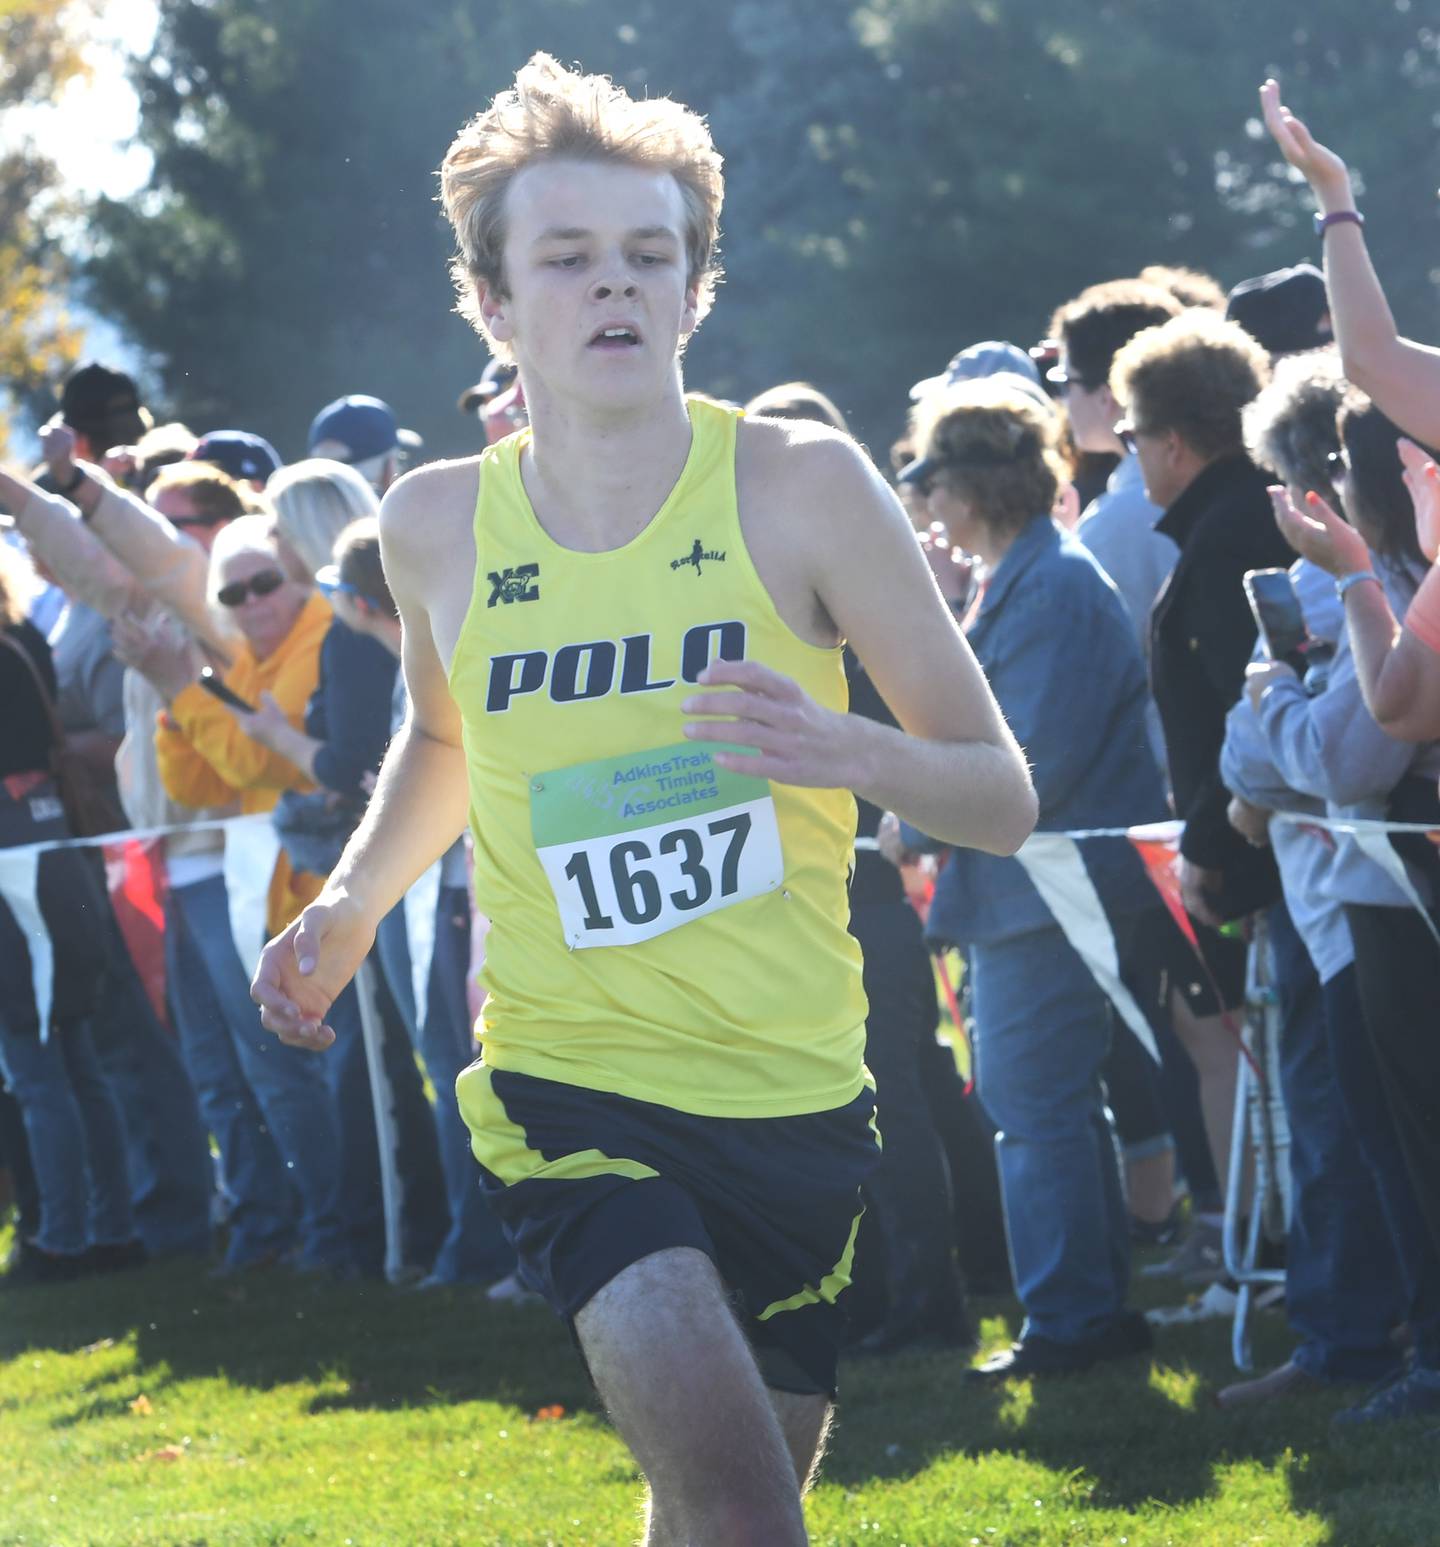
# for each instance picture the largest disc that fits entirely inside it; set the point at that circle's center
(215, 687)
(1276, 606)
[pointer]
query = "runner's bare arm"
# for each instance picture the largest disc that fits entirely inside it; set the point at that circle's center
(954, 771)
(420, 803)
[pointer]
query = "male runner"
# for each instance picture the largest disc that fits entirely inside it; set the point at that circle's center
(672, 1116)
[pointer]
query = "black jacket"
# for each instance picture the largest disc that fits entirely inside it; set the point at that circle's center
(1202, 635)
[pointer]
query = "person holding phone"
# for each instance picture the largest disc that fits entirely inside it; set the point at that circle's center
(206, 758)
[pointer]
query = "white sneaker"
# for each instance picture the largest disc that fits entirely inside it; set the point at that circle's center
(1215, 1304)
(510, 1291)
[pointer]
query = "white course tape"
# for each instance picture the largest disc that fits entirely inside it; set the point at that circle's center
(1054, 863)
(252, 847)
(19, 880)
(420, 904)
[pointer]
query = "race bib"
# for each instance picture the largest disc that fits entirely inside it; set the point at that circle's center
(638, 845)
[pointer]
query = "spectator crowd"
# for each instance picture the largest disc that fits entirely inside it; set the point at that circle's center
(1191, 539)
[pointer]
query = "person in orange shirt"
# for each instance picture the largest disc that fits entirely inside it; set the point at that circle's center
(207, 759)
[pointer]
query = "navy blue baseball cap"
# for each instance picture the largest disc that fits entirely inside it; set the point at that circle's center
(243, 456)
(356, 428)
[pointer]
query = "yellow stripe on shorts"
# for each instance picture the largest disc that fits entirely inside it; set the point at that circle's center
(499, 1144)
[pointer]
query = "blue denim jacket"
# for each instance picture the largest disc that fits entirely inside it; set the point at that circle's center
(1060, 654)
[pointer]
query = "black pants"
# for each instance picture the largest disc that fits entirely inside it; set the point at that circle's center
(909, 1191)
(15, 1158)
(1397, 970)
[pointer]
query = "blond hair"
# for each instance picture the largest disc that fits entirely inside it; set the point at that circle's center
(1194, 375)
(314, 501)
(555, 113)
(995, 446)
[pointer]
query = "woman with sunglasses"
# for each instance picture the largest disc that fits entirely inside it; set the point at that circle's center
(207, 759)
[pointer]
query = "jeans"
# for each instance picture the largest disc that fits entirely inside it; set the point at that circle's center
(474, 1249)
(1042, 1030)
(286, 1084)
(413, 1157)
(166, 1149)
(257, 1188)
(1343, 1292)
(76, 1137)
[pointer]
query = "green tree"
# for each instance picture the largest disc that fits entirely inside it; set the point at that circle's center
(904, 177)
(39, 52)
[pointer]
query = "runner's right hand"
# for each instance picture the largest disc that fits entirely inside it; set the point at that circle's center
(303, 970)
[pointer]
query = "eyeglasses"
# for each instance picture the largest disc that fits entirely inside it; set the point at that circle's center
(1129, 434)
(236, 593)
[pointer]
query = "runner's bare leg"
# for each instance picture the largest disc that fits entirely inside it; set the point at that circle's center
(682, 1387)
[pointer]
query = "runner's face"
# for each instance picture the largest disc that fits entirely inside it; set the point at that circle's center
(596, 266)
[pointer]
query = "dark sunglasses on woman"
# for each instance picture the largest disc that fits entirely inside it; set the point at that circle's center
(234, 594)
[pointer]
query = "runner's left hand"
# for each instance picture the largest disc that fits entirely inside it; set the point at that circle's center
(796, 740)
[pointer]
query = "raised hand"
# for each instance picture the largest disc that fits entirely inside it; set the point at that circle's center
(303, 970)
(1422, 479)
(1321, 167)
(1319, 535)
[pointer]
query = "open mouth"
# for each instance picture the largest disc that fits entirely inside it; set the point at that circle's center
(618, 335)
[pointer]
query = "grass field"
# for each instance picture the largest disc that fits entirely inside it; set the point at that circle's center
(160, 1407)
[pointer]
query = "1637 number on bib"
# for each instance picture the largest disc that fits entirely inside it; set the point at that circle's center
(638, 845)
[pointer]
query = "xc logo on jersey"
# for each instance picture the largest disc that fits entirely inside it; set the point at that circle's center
(520, 584)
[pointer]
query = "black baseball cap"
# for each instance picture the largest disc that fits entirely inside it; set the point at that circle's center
(1283, 310)
(103, 405)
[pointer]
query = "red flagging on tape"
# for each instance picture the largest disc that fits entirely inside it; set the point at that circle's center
(137, 880)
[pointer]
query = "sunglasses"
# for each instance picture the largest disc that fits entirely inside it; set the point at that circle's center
(186, 521)
(263, 584)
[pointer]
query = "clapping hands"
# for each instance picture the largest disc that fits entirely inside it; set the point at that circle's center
(1317, 533)
(1422, 479)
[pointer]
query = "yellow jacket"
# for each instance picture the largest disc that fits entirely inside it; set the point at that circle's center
(206, 759)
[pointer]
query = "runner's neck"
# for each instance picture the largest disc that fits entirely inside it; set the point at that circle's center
(595, 481)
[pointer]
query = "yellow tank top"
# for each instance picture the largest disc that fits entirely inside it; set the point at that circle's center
(660, 928)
